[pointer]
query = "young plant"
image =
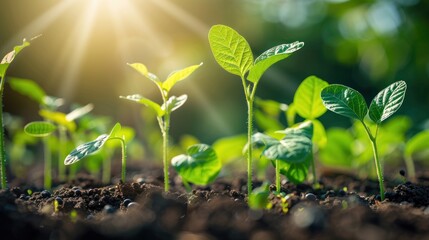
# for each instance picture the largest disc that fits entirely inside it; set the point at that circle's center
(4, 65)
(199, 166)
(308, 105)
(43, 129)
(350, 103)
(291, 154)
(87, 148)
(233, 53)
(417, 144)
(169, 104)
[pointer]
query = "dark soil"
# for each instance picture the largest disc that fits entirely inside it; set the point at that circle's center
(344, 207)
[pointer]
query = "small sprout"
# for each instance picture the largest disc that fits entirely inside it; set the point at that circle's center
(73, 215)
(87, 148)
(56, 206)
(29, 192)
(350, 103)
(419, 143)
(169, 105)
(233, 53)
(291, 154)
(258, 198)
(199, 166)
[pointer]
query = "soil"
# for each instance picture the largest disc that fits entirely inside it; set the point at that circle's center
(342, 207)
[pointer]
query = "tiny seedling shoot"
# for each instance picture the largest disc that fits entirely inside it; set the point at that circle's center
(350, 103)
(291, 154)
(199, 166)
(233, 53)
(87, 148)
(43, 129)
(163, 111)
(4, 65)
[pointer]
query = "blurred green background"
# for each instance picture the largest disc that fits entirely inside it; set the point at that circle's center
(85, 45)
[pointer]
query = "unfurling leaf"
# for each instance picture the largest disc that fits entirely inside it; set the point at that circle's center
(174, 103)
(39, 128)
(271, 56)
(199, 166)
(344, 101)
(141, 68)
(387, 101)
(307, 100)
(230, 50)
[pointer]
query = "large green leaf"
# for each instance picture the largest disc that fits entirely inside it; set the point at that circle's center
(145, 101)
(292, 149)
(174, 103)
(28, 88)
(230, 50)
(85, 149)
(179, 76)
(307, 100)
(142, 69)
(344, 101)
(303, 129)
(199, 166)
(8, 58)
(39, 128)
(387, 101)
(417, 143)
(271, 56)
(295, 172)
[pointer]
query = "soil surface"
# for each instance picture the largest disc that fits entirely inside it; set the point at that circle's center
(342, 207)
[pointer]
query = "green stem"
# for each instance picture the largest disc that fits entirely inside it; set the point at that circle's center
(250, 149)
(62, 154)
(313, 167)
(411, 170)
(278, 185)
(48, 164)
(2, 150)
(373, 140)
(124, 160)
(187, 186)
(165, 151)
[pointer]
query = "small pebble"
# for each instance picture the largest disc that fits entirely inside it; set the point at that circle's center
(126, 202)
(310, 197)
(45, 194)
(109, 209)
(402, 172)
(77, 193)
(59, 200)
(342, 193)
(132, 205)
(24, 197)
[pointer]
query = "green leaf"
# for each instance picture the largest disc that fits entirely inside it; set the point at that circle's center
(307, 100)
(39, 128)
(229, 149)
(58, 118)
(338, 151)
(291, 114)
(304, 129)
(200, 166)
(344, 101)
(271, 56)
(387, 101)
(417, 143)
(141, 68)
(264, 140)
(319, 134)
(85, 149)
(8, 58)
(145, 101)
(296, 172)
(292, 149)
(174, 103)
(230, 50)
(116, 130)
(179, 76)
(258, 199)
(28, 88)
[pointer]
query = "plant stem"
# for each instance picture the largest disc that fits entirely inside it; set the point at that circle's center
(278, 185)
(62, 154)
(48, 164)
(2, 150)
(411, 170)
(373, 140)
(313, 167)
(124, 159)
(250, 149)
(187, 186)
(165, 149)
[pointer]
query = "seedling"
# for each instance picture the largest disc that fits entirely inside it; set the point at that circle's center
(350, 103)
(4, 65)
(308, 104)
(290, 154)
(163, 111)
(199, 166)
(87, 148)
(233, 53)
(43, 129)
(417, 144)
(258, 199)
